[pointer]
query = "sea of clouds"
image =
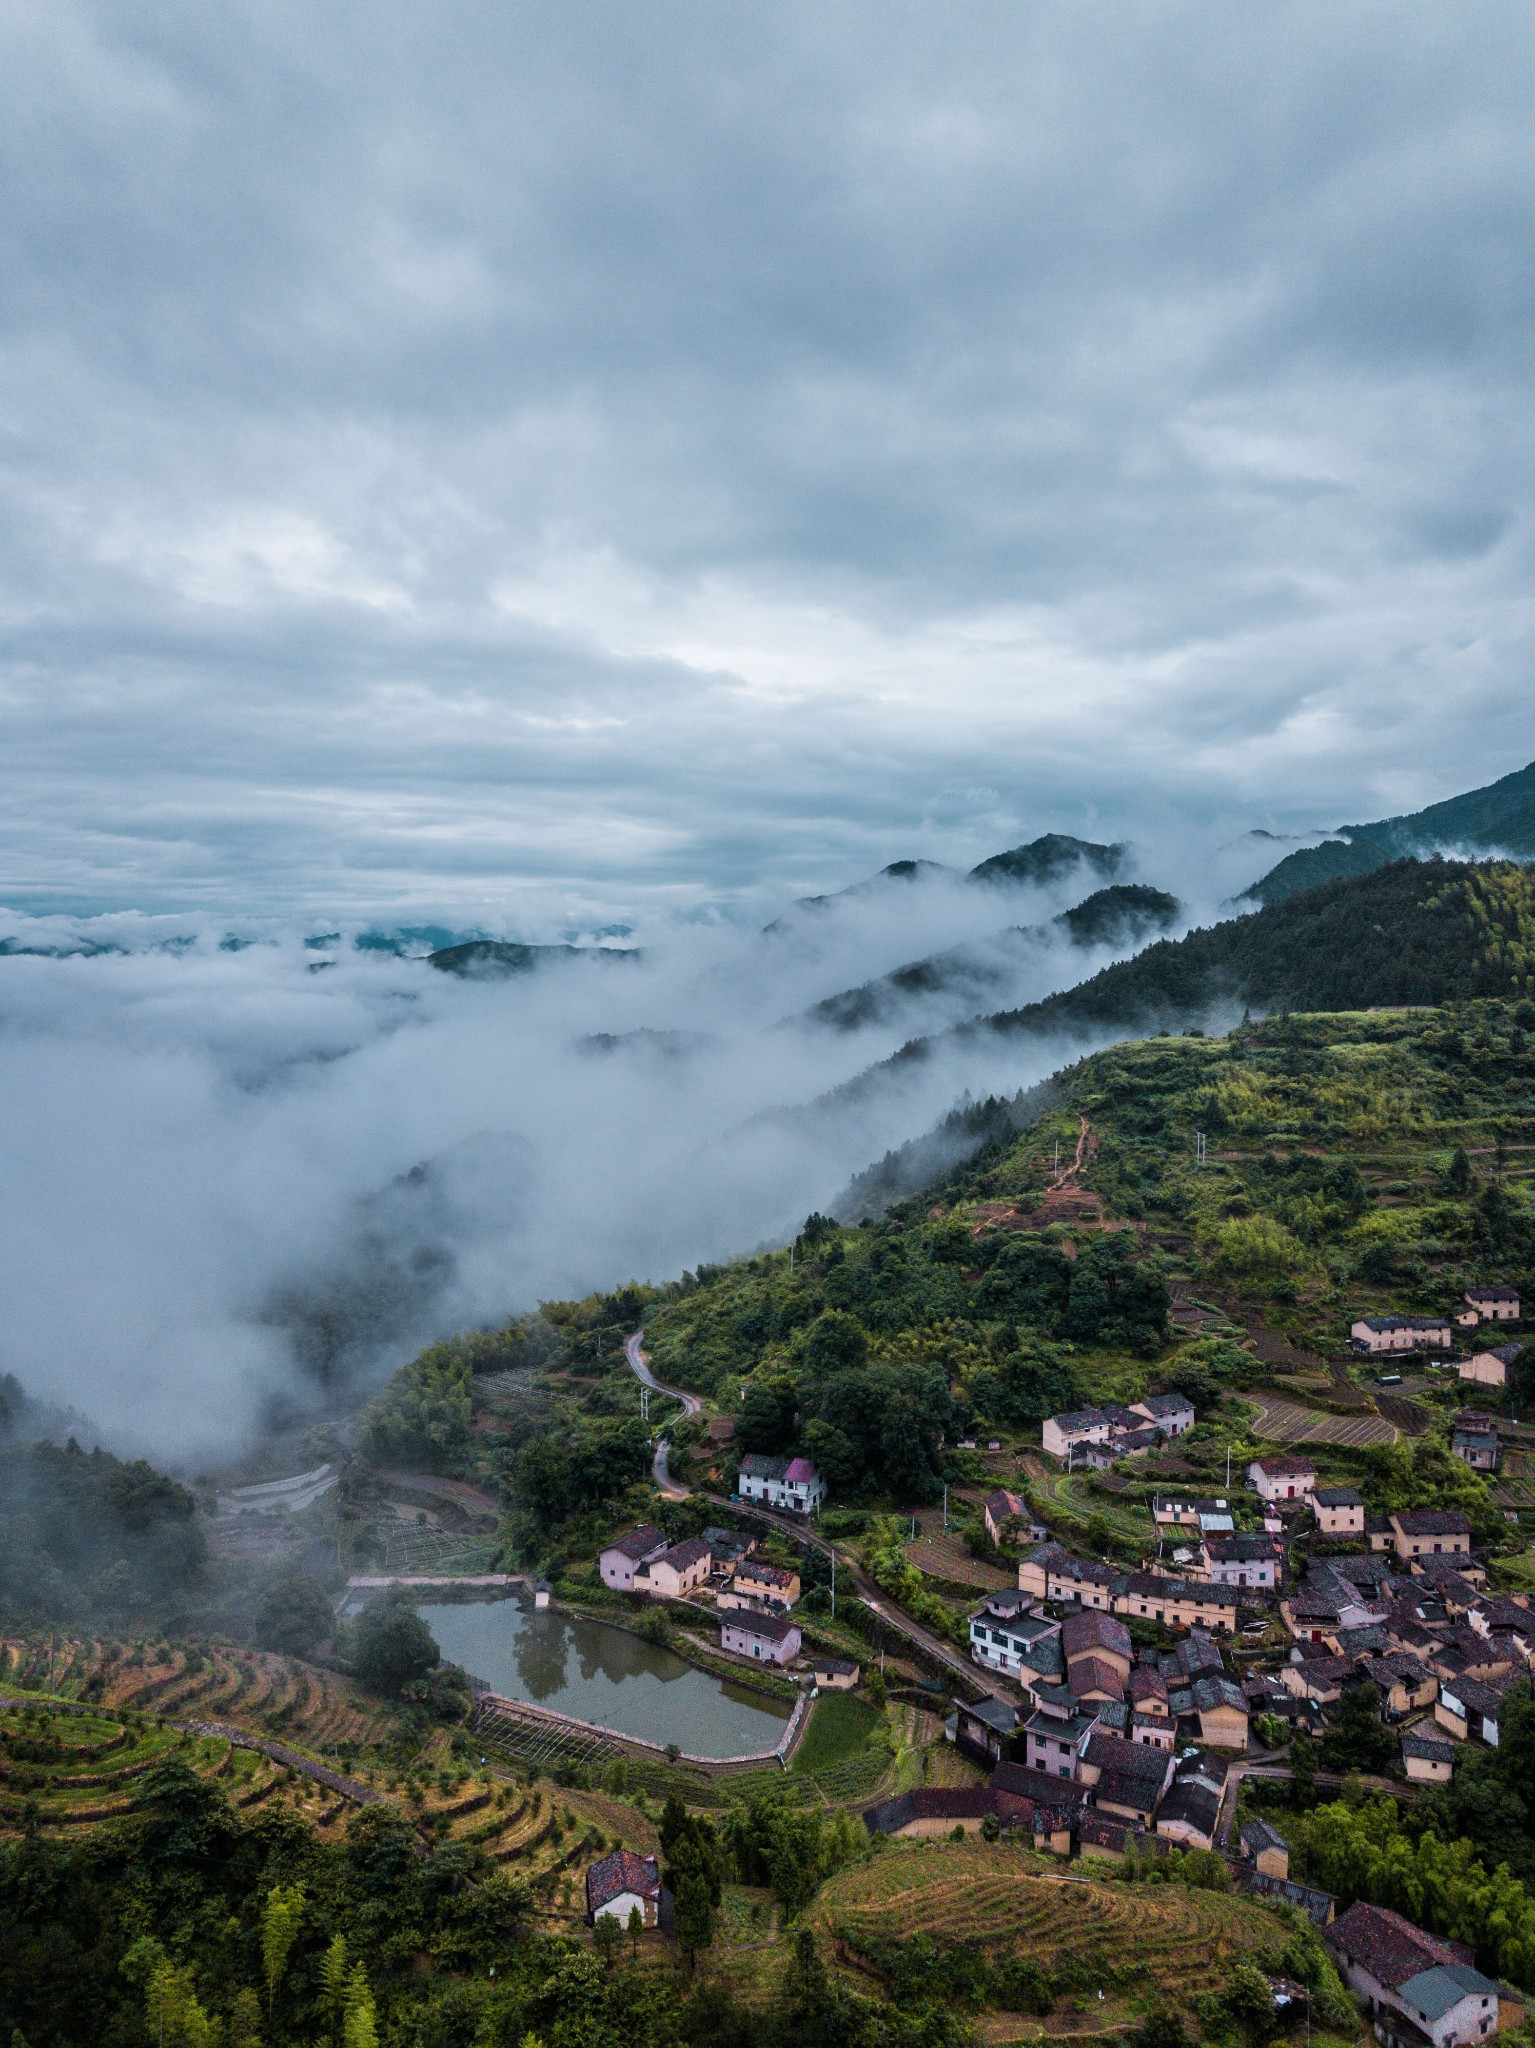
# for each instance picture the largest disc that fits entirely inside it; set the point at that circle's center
(216, 1150)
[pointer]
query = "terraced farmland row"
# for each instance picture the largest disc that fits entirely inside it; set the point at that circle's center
(255, 1688)
(1283, 1422)
(1185, 1941)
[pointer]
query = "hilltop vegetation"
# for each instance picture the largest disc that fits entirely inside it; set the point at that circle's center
(1497, 819)
(1415, 932)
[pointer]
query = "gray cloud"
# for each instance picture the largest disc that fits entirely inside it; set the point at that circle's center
(534, 464)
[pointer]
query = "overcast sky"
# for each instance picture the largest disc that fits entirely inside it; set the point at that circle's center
(534, 462)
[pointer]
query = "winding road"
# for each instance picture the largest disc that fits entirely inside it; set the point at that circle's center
(868, 1592)
(660, 1464)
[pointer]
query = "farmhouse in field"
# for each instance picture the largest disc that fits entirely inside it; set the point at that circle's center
(769, 1638)
(1415, 1988)
(1282, 1478)
(1373, 1335)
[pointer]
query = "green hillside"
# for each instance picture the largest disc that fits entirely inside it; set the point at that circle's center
(1497, 819)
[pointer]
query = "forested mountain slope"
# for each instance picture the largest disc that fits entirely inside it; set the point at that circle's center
(1411, 933)
(1497, 819)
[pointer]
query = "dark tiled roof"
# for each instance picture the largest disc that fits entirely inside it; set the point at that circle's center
(1337, 1497)
(771, 1628)
(639, 1542)
(1024, 1782)
(757, 1465)
(1389, 1947)
(1092, 1630)
(994, 1713)
(1126, 1759)
(681, 1555)
(1257, 1836)
(1430, 1748)
(1096, 1674)
(1194, 1803)
(621, 1872)
(1432, 1522)
(1211, 1692)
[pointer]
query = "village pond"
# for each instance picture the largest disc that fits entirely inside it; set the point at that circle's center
(604, 1675)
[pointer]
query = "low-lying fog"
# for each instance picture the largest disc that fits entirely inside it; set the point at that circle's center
(213, 1154)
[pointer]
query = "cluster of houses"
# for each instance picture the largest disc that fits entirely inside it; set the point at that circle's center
(1406, 1609)
(1100, 1436)
(1383, 1336)
(753, 1601)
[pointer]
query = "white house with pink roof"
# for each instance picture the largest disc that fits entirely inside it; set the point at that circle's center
(791, 1483)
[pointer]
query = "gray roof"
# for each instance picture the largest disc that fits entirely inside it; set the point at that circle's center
(1337, 1497)
(1433, 1992)
(1257, 1835)
(994, 1713)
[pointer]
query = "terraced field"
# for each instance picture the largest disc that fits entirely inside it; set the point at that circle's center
(1284, 1422)
(254, 1688)
(1183, 1941)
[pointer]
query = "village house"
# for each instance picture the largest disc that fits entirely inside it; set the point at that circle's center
(1055, 1732)
(619, 1564)
(1170, 1414)
(791, 1483)
(1489, 1368)
(767, 1584)
(1493, 1304)
(1191, 1511)
(1282, 1478)
(1222, 1709)
(1127, 1778)
(1093, 1635)
(1414, 1987)
(1477, 1448)
(1007, 1518)
(623, 1882)
(1178, 1603)
(1240, 1560)
(1469, 1709)
(1373, 1335)
(1190, 1813)
(1406, 1684)
(1430, 1532)
(769, 1638)
(675, 1571)
(1061, 1434)
(1265, 1848)
(835, 1674)
(983, 1728)
(1339, 1510)
(1319, 1679)
(1427, 1758)
(1005, 1637)
(1086, 1581)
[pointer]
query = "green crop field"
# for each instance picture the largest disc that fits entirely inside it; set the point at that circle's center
(840, 1726)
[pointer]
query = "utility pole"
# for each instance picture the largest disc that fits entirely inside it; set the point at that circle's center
(834, 1585)
(1201, 1152)
(946, 1503)
(1057, 1158)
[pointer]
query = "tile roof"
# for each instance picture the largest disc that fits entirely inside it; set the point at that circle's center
(1127, 1759)
(1092, 1630)
(801, 1472)
(639, 1543)
(1024, 1782)
(1430, 1748)
(1432, 1522)
(1337, 1497)
(1388, 1946)
(690, 1552)
(770, 1628)
(1096, 1674)
(622, 1871)
(1258, 1835)
(1277, 1468)
(1194, 1803)
(758, 1465)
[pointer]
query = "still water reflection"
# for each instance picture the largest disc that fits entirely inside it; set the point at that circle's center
(604, 1675)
